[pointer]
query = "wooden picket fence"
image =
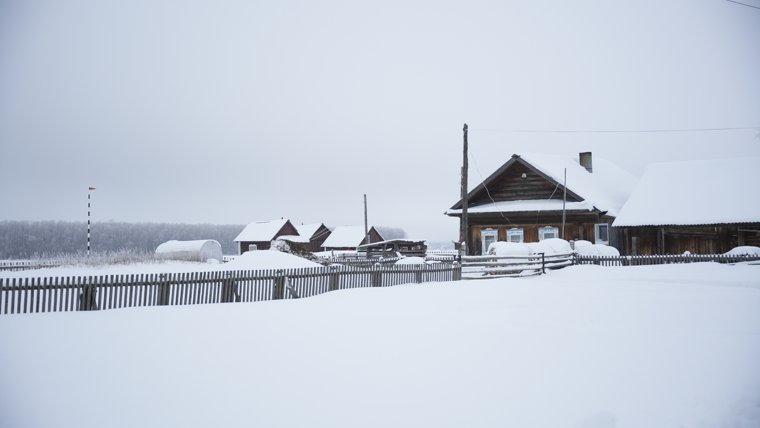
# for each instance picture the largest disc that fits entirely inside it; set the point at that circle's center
(16, 265)
(664, 259)
(82, 293)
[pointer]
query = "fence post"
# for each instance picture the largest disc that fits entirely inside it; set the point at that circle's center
(543, 263)
(377, 280)
(163, 290)
(334, 281)
(87, 297)
(418, 275)
(229, 290)
(278, 291)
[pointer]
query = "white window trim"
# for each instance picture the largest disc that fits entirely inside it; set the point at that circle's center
(596, 234)
(547, 229)
(490, 233)
(515, 231)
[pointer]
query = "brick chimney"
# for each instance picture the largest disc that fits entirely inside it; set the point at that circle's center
(585, 160)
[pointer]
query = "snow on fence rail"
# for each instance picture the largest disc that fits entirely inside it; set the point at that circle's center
(534, 264)
(77, 293)
(664, 259)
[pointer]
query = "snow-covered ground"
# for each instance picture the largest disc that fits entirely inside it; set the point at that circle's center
(585, 346)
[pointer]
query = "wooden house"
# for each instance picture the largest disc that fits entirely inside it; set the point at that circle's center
(350, 237)
(316, 233)
(703, 207)
(522, 201)
(259, 235)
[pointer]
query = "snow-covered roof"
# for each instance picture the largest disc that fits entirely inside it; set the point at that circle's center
(294, 238)
(695, 192)
(606, 188)
(260, 231)
(527, 205)
(308, 230)
(345, 237)
(174, 246)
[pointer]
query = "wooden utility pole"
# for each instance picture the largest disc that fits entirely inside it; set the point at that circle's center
(366, 227)
(564, 198)
(463, 225)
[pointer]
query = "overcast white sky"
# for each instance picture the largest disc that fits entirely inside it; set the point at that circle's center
(238, 111)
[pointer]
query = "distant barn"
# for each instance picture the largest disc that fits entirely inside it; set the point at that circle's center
(259, 235)
(350, 237)
(316, 233)
(197, 251)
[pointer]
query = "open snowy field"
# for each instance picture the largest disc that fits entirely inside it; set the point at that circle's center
(586, 346)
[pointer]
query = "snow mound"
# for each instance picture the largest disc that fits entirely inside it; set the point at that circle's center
(746, 249)
(550, 246)
(502, 248)
(411, 261)
(586, 248)
(266, 259)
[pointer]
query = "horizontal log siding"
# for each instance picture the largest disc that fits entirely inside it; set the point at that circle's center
(510, 186)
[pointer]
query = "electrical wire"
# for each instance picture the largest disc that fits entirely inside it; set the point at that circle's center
(612, 131)
(743, 4)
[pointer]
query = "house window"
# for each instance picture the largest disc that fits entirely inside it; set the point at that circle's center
(487, 237)
(602, 233)
(515, 234)
(548, 232)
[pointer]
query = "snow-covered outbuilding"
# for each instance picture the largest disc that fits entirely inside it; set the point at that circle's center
(350, 237)
(704, 207)
(262, 233)
(316, 233)
(522, 201)
(200, 250)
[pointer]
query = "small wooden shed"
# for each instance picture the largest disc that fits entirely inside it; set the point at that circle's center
(350, 237)
(259, 235)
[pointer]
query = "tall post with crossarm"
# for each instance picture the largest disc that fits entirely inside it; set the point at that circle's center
(463, 224)
(89, 192)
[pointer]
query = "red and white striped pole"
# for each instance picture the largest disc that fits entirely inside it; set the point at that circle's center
(89, 190)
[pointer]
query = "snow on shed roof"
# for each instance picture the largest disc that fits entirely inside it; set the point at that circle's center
(345, 237)
(606, 188)
(695, 192)
(260, 231)
(308, 230)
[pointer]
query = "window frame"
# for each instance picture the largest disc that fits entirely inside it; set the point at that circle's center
(548, 229)
(597, 228)
(516, 231)
(488, 232)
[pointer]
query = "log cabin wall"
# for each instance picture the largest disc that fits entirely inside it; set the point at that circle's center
(578, 225)
(510, 186)
(715, 239)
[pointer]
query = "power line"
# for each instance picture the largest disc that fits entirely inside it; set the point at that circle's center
(743, 4)
(614, 131)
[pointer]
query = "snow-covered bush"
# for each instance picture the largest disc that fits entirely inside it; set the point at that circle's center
(744, 250)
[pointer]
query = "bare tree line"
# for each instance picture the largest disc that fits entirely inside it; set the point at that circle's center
(33, 239)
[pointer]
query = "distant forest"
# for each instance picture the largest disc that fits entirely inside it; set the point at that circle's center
(25, 239)
(44, 239)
